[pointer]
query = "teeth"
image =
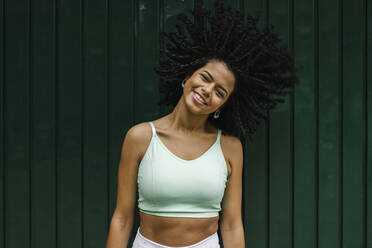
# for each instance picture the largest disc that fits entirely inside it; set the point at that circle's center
(201, 99)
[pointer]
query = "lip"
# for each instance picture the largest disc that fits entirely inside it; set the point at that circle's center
(202, 103)
(196, 99)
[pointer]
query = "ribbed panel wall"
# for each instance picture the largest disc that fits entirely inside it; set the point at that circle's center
(75, 75)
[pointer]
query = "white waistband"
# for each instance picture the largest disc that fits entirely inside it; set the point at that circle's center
(214, 242)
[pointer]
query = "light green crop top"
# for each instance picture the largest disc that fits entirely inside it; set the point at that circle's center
(171, 186)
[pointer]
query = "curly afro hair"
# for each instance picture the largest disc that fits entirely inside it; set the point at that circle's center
(262, 69)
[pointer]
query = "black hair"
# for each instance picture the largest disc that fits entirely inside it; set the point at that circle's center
(261, 67)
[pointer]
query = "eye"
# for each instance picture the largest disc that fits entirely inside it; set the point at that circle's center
(204, 77)
(219, 92)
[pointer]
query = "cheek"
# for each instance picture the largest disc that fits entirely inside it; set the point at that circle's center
(194, 84)
(217, 101)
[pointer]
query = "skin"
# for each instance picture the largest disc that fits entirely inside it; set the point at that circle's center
(187, 133)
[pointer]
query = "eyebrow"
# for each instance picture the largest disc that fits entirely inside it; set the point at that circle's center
(213, 79)
(209, 74)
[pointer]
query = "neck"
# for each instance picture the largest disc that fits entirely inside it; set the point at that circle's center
(181, 119)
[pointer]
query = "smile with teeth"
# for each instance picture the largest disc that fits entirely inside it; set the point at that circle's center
(198, 97)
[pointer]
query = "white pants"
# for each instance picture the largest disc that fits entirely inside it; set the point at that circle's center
(209, 242)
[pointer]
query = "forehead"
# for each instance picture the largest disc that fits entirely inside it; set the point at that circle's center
(220, 73)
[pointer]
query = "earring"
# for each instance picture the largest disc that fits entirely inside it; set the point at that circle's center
(216, 114)
(183, 83)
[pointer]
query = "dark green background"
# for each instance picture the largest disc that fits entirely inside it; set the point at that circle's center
(75, 75)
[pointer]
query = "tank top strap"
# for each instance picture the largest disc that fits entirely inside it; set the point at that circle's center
(153, 128)
(219, 135)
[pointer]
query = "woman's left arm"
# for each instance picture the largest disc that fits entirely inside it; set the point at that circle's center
(231, 225)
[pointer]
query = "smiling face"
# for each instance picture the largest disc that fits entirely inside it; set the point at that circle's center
(208, 88)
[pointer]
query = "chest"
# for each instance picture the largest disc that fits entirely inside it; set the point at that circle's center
(192, 148)
(165, 176)
(186, 148)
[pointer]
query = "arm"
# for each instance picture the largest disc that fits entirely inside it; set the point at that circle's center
(123, 218)
(231, 226)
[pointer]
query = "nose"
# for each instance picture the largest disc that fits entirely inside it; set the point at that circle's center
(206, 90)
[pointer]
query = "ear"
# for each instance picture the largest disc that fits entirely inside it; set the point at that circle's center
(185, 79)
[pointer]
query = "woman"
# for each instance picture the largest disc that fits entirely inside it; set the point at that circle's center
(185, 170)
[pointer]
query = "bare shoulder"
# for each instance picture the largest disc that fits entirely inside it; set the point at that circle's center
(232, 148)
(231, 144)
(138, 138)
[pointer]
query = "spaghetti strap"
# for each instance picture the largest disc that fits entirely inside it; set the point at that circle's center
(219, 135)
(153, 128)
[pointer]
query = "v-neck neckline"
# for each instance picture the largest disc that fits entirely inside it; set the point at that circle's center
(181, 159)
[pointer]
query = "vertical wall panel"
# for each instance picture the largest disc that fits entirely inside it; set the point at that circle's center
(369, 126)
(255, 170)
(280, 233)
(352, 149)
(70, 115)
(146, 88)
(329, 84)
(95, 90)
(2, 128)
(304, 129)
(121, 72)
(43, 202)
(17, 123)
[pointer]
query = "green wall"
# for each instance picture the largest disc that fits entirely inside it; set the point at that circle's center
(75, 75)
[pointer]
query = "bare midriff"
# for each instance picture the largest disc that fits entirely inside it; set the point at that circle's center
(176, 231)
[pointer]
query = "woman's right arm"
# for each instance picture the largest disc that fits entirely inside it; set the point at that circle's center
(123, 217)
